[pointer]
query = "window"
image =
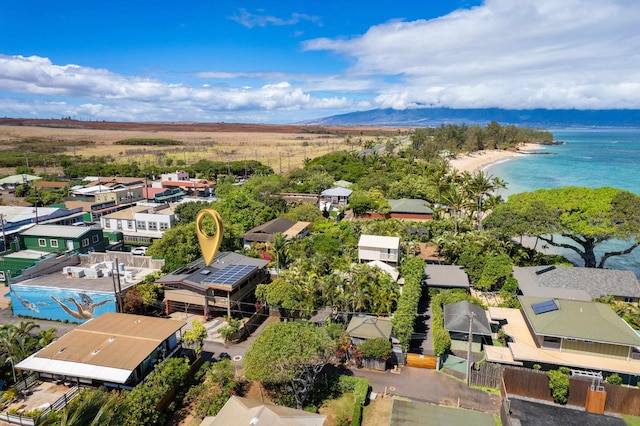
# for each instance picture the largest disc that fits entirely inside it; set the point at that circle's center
(153, 226)
(53, 243)
(85, 242)
(119, 222)
(164, 226)
(94, 238)
(42, 242)
(130, 224)
(141, 224)
(629, 299)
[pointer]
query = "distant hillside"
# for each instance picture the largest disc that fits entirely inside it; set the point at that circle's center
(544, 118)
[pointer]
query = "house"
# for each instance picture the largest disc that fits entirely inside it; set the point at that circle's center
(180, 180)
(50, 185)
(445, 276)
(411, 413)
(245, 411)
(334, 198)
(457, 319)
(266, 232)
(61, 238)
(565, 282)
(363, 327)
(227, 283)
(11, 182)
(410, 209)
(377, 247)
(140, 224)
(16, 219)
(558, 332)
(113, 350)
(77, 288)
(162, 195)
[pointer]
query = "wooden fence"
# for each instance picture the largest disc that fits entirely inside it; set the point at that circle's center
(535, 384)
(488, 375)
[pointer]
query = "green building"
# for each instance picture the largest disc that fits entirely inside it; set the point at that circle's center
(62, 238)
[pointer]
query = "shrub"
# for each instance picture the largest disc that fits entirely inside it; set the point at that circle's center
(358, 385)
(407, 310)
(378, 347)
(559, 385)
(614, 379)
(356, 420)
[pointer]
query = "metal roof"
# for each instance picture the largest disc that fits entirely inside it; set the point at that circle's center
(379, 241)
(60, 231)
(448, 276)
(336, 192)
(107, 348)
(245, 411)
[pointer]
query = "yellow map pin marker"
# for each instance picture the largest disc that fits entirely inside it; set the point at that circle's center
(209, 245)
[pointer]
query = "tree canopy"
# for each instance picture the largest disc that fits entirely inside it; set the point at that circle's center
(291, 353)
(585, 217)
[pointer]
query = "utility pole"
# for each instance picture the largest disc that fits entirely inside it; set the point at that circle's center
(4, 235)
(469, 349)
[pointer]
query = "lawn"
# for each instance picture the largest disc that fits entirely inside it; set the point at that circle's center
(339, 410)
(378, 412)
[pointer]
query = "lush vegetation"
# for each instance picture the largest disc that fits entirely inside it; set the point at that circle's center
(149, 141)
(428, 143)
(405, 315)
(17, 342)
(584, 217)
(559, 384)
(378, 347)
(290, 353)
(217, 385)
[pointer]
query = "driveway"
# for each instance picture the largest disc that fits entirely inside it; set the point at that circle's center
(420, 384)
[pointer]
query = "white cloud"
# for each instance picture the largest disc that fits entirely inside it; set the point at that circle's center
(251, 20)
(115, 96)
(524, 54)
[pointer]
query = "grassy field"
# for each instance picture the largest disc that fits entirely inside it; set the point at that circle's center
(280, 147)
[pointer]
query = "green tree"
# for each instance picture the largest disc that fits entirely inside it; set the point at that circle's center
(584, 217)
(194, 338)
(291, 353)
(378, 347)
(178, 246)
(559, 385)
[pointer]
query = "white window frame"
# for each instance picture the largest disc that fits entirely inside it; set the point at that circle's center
(42, 242)
(85, 242)
(53, 243)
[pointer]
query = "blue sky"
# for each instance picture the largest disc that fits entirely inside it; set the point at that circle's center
(290, 61)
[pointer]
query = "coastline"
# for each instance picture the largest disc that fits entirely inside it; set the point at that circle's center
(478, 160)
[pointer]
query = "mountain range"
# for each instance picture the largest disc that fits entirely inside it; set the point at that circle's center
(544, 118)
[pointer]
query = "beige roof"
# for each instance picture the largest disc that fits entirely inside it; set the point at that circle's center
(113, 340)
(524, 348)
(127, 213)
(367, 327)
(245, 411)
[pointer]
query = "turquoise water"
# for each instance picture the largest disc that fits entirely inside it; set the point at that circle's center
(590, 157)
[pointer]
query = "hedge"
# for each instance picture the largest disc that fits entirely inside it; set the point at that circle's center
(358, 385)
(405, 315)
(356, 420)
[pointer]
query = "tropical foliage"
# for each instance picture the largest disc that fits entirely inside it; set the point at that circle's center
(584, 218)
(290, 353)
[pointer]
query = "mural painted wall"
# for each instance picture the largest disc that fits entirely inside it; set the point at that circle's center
(60, 304)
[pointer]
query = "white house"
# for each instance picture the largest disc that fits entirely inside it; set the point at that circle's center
(377, 247)
(334, 198)
(140, 224)
(173, 177)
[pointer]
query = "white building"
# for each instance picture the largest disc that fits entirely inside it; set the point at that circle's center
(140, 224)
(377, 247)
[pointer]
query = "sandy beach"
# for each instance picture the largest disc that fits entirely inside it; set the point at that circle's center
(479, 159)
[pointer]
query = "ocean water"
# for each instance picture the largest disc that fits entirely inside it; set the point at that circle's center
(589, 157)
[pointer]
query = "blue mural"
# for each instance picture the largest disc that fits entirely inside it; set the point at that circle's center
(60, 304)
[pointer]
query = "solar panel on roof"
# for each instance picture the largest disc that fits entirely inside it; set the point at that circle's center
(542, 307)
(229, 275)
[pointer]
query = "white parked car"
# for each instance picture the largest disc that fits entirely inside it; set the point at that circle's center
(139, 251)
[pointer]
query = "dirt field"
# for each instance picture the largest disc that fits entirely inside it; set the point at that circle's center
(280, 147)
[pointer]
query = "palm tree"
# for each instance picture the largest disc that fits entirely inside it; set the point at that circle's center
(478, 187)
